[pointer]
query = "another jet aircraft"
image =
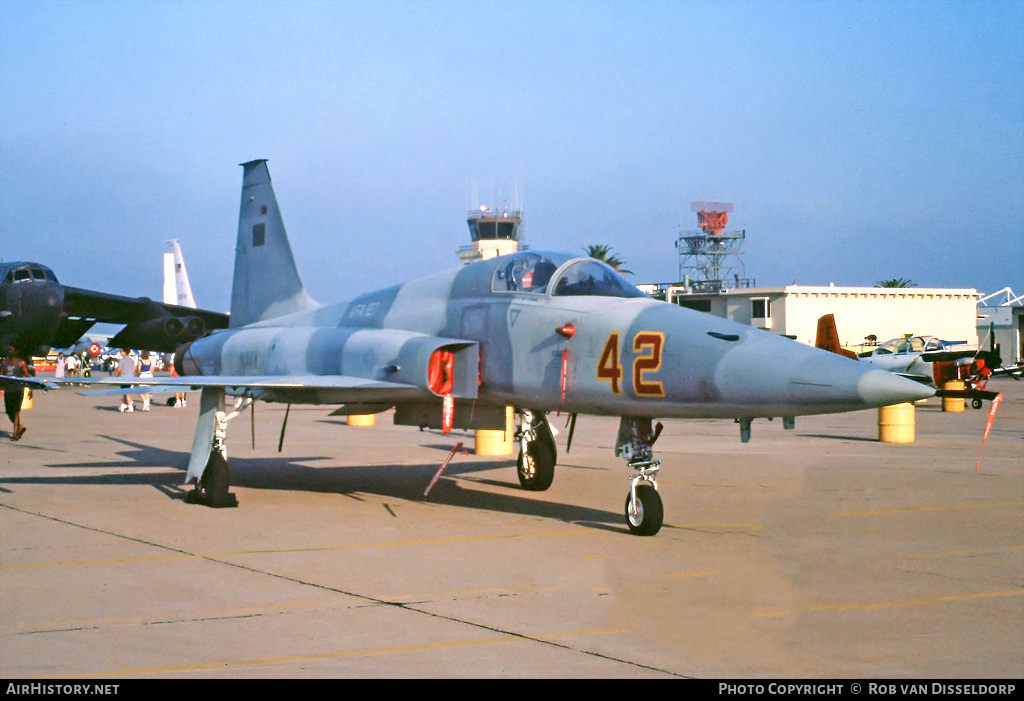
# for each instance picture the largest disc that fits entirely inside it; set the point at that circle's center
(535, 330)
(37, 313)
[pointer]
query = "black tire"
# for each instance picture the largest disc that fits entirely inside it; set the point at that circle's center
(545, 436)
(214, 484)
(536, 469)
(651, 512)
(976, 403)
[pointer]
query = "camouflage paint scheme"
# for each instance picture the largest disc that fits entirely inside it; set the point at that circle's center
(511, 324)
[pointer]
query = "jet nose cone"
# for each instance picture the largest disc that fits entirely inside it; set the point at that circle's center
(882, 388)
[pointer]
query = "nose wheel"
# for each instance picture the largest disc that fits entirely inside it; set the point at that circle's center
(645, 512)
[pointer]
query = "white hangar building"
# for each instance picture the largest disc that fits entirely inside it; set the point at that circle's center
(860, 312)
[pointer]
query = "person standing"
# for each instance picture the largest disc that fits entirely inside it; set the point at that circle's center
(59, 369)
(179, 397)
(145, 370)
(14, 366)
(126, 368)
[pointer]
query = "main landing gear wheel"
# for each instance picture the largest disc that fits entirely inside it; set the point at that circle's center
(647, 514)
(212, 488)
(535, 467)
(537, 454)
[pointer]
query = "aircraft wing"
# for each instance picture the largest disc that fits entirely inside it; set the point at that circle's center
(146, 320)
(118, 309)
(1014, 371)
(332, 389)
(30, 382)
(934, 356)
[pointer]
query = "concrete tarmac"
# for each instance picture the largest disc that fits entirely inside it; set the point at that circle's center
(813, 553)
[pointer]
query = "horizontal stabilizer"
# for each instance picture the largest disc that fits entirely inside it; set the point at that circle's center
(966, 394)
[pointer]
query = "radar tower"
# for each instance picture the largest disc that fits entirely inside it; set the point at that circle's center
(709, 257)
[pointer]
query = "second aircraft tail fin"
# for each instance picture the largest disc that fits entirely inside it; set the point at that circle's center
(176, 288)
(827, 337)
(266, 282)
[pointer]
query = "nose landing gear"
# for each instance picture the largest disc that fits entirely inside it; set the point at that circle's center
(644, 510)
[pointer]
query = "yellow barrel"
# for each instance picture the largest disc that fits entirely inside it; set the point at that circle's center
(361, 420)
(953, 403)
(26, 403)
(896, 423)
(489, 442)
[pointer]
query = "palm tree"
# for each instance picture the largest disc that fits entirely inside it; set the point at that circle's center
(896, 282)
(604, 254)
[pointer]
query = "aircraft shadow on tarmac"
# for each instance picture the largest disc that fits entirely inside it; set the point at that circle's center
(834, 437)
(398, 481)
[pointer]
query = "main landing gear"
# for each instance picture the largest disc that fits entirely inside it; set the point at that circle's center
(644, 510)
(537, 452)
(212, 489)
(208, 464)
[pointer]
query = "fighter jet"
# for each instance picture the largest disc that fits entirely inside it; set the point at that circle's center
(535, 330)
(37, 313)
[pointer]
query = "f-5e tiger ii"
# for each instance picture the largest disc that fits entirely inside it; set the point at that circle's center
(538, 331)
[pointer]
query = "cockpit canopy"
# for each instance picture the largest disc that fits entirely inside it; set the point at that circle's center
(908, 344)
(535, 272)
(26, 272)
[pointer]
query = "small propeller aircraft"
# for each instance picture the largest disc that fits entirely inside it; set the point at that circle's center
(935, 362)
(538, 331)
(926, 359)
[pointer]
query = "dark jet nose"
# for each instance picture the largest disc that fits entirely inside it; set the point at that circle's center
(40, 305)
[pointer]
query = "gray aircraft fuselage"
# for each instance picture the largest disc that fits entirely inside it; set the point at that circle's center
(536, 331)
(627, 354)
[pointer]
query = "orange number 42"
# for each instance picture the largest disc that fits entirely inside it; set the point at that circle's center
(648, 346)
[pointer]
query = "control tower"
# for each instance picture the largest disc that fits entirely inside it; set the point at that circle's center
(493, 231)
(710, 257)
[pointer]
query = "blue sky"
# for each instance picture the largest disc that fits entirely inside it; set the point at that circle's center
(858, 141)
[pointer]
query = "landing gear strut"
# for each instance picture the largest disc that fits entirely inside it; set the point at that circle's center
(208, 464)
(644, 510)
(537, 452)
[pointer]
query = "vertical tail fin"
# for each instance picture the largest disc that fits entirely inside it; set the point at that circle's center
(176, 288)
(266, 282)
(827, 337)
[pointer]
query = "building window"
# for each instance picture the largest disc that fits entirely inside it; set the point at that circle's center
(700, 305)
(259, 234)
(760, 308)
